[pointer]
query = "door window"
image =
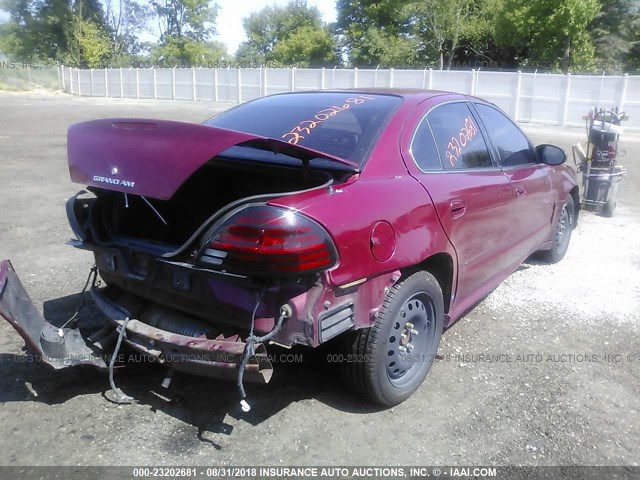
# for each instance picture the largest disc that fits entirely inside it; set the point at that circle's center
(458, 137)
(512, 146)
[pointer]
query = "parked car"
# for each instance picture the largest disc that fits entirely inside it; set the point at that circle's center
(380, 216)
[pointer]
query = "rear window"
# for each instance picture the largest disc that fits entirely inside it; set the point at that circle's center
(344, 124)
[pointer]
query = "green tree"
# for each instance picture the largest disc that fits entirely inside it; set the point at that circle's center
(247, 54)
(613, 33)
(304, 47)
(55, 30)
(377, 47)
(292, 34)
(186, 30)
(415, 32)
(431, 26)
(88, 44)
(441, 26)
(632, 59)
(90, 10)
(35, 31)
(125, 20)
(355, 17)
(375, 32)
(549, 32)
(188, 51)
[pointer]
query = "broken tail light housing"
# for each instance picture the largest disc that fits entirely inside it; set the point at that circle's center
(266, 240)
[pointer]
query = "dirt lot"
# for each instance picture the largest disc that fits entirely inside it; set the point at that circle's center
(554, 399)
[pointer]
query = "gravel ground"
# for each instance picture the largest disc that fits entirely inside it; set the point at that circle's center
(603, 285)
(544, 371)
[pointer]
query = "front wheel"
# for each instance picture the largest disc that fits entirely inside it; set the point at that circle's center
(387, 362)
(561, 233)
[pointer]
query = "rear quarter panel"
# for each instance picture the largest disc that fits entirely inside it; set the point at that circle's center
(350, 213)
(383, 192)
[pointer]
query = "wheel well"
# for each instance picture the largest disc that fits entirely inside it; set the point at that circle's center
(440, 266)
(575, 193)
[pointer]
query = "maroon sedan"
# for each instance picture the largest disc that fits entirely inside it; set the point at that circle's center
(379, 216)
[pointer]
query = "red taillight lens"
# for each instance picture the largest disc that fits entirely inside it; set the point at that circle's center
(270, 240)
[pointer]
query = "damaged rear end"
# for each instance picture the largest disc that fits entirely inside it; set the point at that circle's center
(201, 270)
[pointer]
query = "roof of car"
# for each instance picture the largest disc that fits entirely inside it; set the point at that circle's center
(402, 92)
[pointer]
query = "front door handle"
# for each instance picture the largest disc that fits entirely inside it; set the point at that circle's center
(520, 191)
(458, 208)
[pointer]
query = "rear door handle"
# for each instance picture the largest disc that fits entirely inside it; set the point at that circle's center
(520, 191)
(458, 208)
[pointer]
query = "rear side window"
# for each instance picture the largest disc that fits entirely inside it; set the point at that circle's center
(512, 146)
(458, 137)
(423, 148)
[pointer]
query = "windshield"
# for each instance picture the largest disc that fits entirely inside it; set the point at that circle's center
(343, 124)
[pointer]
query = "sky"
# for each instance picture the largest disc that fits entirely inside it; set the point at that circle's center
(231, 13)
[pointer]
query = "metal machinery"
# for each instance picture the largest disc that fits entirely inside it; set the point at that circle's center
(601, 176)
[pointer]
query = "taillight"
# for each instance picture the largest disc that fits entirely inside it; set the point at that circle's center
(270, 240)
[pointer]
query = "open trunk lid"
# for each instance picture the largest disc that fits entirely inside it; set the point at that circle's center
(154, 157)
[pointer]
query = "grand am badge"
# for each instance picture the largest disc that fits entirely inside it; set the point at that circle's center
(114, 181)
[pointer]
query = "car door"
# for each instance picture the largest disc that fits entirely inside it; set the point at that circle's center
(532, 211)
(470, 193)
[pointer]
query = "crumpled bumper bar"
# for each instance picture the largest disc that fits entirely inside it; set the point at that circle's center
(216, 358)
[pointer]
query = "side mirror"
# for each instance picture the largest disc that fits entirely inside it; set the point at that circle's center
(550, 154)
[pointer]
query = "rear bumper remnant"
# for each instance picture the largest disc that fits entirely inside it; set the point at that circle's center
(216, 358)
(42, 339)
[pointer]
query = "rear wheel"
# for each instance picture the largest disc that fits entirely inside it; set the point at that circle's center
(387, 362)
(562, 233)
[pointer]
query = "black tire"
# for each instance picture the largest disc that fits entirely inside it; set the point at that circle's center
(562, 233)
(411, 317)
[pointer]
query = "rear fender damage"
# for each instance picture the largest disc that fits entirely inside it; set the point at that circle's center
(65, 347)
